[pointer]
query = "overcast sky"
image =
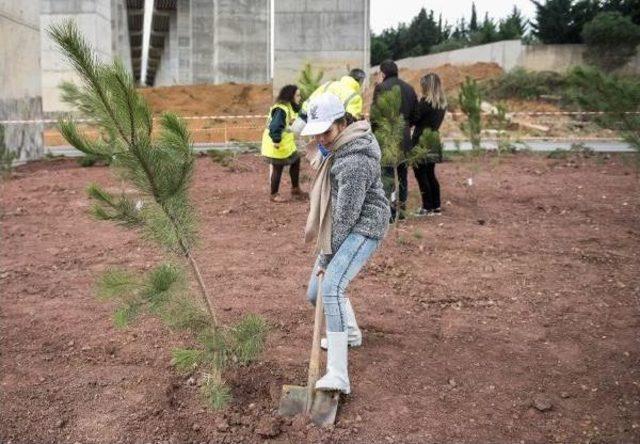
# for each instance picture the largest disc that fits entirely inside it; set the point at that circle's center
(388, 13)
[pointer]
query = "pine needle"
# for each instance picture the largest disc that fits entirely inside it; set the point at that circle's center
(249, 336)
(186, 360)
(215, 392)
(117, 284)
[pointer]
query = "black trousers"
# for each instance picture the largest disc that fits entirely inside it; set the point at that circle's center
(428, 183)
(276, 175)
(402, 193)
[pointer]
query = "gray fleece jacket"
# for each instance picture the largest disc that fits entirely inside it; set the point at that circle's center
(358, 201)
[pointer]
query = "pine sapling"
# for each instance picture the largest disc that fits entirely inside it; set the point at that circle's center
(160, 168)
(309, 81)
(389, 130)
(470, 99)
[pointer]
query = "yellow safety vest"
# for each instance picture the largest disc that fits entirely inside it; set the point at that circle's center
(287, 143)
(347, 89)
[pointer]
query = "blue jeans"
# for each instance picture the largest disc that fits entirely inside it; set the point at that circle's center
(344, 266)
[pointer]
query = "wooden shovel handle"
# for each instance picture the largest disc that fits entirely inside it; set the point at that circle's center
(314, 361)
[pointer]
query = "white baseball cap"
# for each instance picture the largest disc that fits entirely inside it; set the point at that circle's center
(323, 111)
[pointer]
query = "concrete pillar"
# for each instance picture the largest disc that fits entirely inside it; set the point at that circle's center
(223, 41)
(332, 35)
(20, 86)
(120, 45)
(93, 18)
(168, 70)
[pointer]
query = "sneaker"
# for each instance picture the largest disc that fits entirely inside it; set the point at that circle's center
(437, 212)
(421, 213)
(277, 198)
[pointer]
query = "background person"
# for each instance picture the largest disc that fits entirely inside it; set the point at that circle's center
(279, 144)
(429, 114)
(408, 103)
(348, 217)
(348, 89)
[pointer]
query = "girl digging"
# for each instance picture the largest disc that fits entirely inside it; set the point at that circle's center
(348, 218)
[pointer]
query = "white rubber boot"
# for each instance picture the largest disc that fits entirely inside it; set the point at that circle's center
(355, 335)
(337, 377)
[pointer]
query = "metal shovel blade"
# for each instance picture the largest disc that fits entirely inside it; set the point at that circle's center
(324, 405)
(321, 406)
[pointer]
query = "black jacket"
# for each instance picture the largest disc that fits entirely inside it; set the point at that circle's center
(426, 116)
(408, 104)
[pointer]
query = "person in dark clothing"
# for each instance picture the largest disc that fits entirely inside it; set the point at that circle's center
(279, 144)
(409, 100)
(429, 114)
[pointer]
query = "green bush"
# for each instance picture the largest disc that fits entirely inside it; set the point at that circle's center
(522, 84)
(611, 40)
(617, 97)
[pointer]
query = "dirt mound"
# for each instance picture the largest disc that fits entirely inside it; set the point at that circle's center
(453, 75)
(205, 100)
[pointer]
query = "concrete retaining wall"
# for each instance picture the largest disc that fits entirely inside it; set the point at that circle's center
(103, 23)
(510, 54)
(217, 41)
(331, 34)
(20, 87)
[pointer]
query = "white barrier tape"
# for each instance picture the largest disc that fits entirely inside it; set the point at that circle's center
(259, 116)
(18, 122)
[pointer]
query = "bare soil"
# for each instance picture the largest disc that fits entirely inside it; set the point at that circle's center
(513, 317)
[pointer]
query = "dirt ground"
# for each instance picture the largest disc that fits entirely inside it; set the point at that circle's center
(513, 317)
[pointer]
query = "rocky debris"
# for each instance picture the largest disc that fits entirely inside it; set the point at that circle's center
(542, 403)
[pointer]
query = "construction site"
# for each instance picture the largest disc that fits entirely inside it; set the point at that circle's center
(511, 317)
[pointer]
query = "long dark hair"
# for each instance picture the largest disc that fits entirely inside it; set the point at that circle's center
(286, 95)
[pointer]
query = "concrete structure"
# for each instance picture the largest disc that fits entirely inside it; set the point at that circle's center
(20, 87)
(101, 22)
(331, 34)
(135, 15)
(216, 41)
(510, 54)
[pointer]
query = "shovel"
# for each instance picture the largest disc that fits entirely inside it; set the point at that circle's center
(320, 406)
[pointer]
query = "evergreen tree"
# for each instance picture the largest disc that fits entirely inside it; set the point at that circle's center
(618, 98)
(611, 40)
(473, 23)
(487, 33)
(552, 23)
(513, 27)
(389, 131)
(309, 81)
(628, 8)
(160, 169)
(561, 21)
(470, 99)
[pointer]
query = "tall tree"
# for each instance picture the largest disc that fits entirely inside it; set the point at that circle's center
(473, 23)
(513, 26)
(553, 21)
(561, 21)
(629, 8)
